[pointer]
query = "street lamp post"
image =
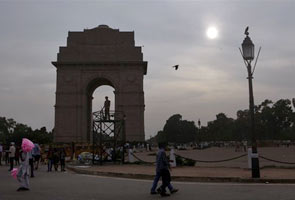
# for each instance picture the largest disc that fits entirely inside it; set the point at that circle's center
(248, 56)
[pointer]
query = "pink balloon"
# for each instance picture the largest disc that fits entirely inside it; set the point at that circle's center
(14, 172)
(27, 145)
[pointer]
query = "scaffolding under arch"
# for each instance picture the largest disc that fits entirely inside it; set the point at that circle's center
(108, 137)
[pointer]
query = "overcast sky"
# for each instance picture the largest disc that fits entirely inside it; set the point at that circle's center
(211, 78)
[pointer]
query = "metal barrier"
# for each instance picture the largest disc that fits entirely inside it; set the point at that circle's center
(142, 161)
(283, 162)
(213, 161)
(217, 161)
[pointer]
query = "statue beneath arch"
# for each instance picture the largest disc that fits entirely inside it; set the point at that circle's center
(92, 58)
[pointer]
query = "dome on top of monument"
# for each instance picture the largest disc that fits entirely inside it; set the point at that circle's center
(103, 26)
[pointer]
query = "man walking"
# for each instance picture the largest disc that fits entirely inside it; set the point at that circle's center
(162, 170)
(11, 155)
(36, 152)
(31, 163)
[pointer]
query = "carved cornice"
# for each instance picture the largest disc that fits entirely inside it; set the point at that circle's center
(123, 63)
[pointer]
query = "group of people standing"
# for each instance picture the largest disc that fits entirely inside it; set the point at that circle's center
(54, 157)
(28, 161)
(12, 156)
(8, 154)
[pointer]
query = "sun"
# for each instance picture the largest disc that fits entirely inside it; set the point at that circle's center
(212, 32)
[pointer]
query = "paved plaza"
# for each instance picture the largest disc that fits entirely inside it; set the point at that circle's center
(208, 181)
(71, 186)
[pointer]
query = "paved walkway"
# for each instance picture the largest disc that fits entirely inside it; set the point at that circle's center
(69, 186)
(195, 174)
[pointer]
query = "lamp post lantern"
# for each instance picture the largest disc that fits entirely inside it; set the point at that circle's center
(248, 56)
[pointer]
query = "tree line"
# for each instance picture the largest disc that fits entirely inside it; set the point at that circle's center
(11, 131)
(273, 121)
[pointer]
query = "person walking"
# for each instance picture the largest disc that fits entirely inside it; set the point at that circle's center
(31, 163)
(36, 152)
(23, 172)
(162, 170)
(62, 158)
(49, 159)
(17, 154)
(155, 184)
(1, 151)
(6, 157)
(11, 155)
(55, 159)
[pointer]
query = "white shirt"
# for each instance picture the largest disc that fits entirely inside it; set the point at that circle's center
(12, 151)
(1, 148)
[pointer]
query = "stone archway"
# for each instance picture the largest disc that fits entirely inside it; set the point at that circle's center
(95, 57)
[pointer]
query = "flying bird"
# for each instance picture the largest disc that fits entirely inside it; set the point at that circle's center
(176, 67)
(246, 30)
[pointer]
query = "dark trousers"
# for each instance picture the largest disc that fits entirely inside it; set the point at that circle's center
(31, 163)
(107, 114)
(156, 180)
(16, 160)
(166, 179)
(62, 164)
(0, 158)
(49, 165)
(11, 161)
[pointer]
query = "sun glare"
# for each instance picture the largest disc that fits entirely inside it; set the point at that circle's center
(212, 32)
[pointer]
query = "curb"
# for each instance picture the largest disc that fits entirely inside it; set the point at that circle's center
(183, 178)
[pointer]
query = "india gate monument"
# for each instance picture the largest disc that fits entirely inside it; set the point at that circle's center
(93, 58)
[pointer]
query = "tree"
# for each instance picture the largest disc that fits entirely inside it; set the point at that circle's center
(222, 128)
(11, 131)
(272, 121)
(177, 130)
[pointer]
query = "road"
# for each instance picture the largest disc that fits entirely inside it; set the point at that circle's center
(63, 186)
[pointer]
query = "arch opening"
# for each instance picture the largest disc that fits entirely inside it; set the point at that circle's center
(98, 97)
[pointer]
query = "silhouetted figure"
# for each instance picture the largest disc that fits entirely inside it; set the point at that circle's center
(247, 30)
(36, 152)
(55, 159)
(62, 158)
(31, 163)
(162, 170)
(17, 154)
(6, 157)
(107, 105)
(176, 67)
(11, 155)
(49, 159)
